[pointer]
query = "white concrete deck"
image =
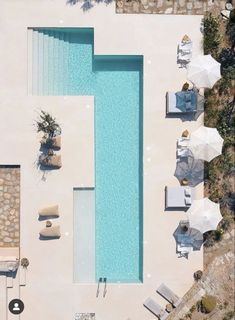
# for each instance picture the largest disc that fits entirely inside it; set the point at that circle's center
(50, 292)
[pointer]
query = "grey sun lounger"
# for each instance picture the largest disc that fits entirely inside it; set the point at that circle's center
(169, 295)
(178, 197)
(156, 309)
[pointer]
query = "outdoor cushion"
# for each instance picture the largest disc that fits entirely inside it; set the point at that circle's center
(187, 192)
(49, 211)
(187, 97)
(51, 232)
(188, 105)
(188, 201)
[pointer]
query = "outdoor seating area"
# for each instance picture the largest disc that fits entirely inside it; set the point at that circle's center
(187, 239)
(160, 312)
(50, 231)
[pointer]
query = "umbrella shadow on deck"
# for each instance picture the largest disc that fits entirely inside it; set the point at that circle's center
(190, 169)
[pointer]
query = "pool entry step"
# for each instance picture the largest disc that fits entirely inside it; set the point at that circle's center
(102, 280)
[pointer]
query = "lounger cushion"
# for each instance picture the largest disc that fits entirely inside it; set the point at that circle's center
(49, 211)
(187, 192)
(187, 97)
(51, 232)
(50, 161)
(188, 106)
(188, 201)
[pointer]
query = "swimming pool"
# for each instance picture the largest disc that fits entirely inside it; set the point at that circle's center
(64, 64)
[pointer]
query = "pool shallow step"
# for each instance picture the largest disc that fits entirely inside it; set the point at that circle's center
(40, 63)
(50, 50)
(45, 64)
(35, 62)
(50, 62)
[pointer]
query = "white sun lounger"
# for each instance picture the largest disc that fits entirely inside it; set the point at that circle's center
(156, 309)
(186, 47)
(169, 295)
(178, 197)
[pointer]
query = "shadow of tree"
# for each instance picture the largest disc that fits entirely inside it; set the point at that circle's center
(87, 4)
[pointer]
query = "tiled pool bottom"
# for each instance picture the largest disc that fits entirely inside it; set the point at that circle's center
(64, 64)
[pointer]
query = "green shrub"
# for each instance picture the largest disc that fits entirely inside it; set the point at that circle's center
(229, 315)
(208, 304)
(192, 309)
(211, 34)
(232, 16)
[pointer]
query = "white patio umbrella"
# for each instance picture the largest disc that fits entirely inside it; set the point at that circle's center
(204, 71)
(204, 215)
(206, 143)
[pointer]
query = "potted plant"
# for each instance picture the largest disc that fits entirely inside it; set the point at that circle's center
(51, 130)
(24, 262)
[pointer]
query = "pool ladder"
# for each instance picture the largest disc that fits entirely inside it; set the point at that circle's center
(102, 280)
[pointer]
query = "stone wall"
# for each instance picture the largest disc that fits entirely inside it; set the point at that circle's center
(9, 206)
(169, 6)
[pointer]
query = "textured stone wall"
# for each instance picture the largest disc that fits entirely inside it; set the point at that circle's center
(169, 6)
(9, 206)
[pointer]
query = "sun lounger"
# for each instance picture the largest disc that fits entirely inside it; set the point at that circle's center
(52, 211)
(169, 295)
(181, 102)
(178, 197)
(156, 309)
(51, 232)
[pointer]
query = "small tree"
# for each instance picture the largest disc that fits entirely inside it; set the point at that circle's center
(24, 262)
(208, 304)
(211, 34)
(48, 125)
(197, 275)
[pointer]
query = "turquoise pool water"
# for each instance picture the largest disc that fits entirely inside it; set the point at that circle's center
(64, 64)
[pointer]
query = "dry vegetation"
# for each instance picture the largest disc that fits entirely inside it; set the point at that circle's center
(218, 276)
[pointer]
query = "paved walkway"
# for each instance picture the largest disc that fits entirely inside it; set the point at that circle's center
(10, 207)
(198, 7)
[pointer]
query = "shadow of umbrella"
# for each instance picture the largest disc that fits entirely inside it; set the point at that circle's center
(191, 236)
(200, 106)
(190, 169)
